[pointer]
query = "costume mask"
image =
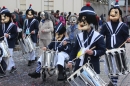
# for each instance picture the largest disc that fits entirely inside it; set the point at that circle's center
(83, 25)
(4, 19)
(30, 15)
(114, 15)
(42, 15)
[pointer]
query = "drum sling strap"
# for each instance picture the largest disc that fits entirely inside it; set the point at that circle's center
(7, 30)
(95, 37)
(112, 33)
(28, 26)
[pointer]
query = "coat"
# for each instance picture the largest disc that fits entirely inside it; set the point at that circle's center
(47, 27)
(121, 35)
(13, 34)
(65, 48)
(97, 52)
(32, 27)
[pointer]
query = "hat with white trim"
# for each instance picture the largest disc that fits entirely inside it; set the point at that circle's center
(60, 28)
(116, 4)
(87, 10)
(4, 10)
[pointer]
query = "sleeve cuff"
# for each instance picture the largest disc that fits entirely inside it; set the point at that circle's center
(95, 52)
(9, 36)
(70, 61)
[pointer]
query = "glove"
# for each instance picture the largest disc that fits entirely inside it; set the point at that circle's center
(19, 29)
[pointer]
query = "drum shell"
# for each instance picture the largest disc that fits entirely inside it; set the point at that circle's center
(24, 46)
(85, 76)
(48, 58)
(30, 44)
(119, 65)
(5, 49)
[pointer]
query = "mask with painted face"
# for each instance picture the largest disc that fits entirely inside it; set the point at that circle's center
(42, 15)
(30, 12)
(5, 15)
(87, 16)
(114, 15)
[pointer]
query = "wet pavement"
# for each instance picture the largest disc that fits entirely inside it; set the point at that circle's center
(21, 78)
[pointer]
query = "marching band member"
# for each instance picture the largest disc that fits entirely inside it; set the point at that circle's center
(87, 39)
(9, 31)
(31, 28)
(59, 43)
(116, 33)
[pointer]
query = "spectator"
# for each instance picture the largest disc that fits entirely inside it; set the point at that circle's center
(16, 12)
(72, 31)
(62, 19)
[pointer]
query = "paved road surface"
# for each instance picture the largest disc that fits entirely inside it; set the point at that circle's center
(21, 78)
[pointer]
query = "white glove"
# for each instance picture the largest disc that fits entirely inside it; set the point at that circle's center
(19, 29)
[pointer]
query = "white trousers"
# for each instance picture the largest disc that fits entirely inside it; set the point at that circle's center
(10, 61)
(61, 57)
(32, 54)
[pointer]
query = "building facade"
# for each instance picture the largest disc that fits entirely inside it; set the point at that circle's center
(73, 6)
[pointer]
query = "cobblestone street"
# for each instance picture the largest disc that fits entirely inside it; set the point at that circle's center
(21, 78)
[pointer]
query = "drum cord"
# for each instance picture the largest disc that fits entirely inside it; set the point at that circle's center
(124, 79)
(1, 52)
(2, 68)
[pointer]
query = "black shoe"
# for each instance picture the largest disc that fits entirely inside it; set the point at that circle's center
(2, 75)
(35, 59)
(13, 70)
(61, 77)
(29, 63)
(34, 75)
(110, 84)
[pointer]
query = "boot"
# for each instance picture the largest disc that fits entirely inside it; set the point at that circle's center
(34, 75)
(110, 84)
(29, 63)
(61, 74)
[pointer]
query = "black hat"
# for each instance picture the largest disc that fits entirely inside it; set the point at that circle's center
(116, 4)
(60, 28)
(87, 10)
(4, 10)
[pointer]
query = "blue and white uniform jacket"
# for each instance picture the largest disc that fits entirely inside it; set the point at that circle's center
(90, 39)
(11, 29)
(58, 46)
(31, 25)
(116, 33)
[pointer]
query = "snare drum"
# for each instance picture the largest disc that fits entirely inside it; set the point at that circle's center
(85, 76)
(115, 61)
(29, 43)
(24, 46)
(5, 49)
(48, 59)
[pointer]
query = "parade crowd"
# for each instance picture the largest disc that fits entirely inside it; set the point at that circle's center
(68, 35)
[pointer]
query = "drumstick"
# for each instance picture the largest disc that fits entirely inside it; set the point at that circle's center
(120, 45)
(123, 43)
(84, 53)
(3, 36)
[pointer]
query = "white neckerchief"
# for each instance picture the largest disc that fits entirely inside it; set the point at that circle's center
(8, 29)
(95, 37)
(81, 40)
(28, 28)
(113, 34)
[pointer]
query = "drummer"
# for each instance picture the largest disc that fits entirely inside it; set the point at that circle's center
(60, 44)
(31, 28)
(86, 40)
(9, 31)
(116, 32)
